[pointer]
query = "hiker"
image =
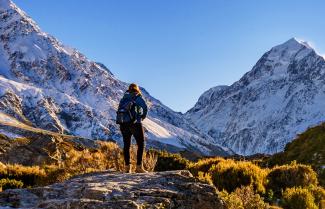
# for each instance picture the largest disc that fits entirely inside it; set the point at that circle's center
(131, 112)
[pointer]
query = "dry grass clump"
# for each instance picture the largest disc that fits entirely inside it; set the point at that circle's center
(74, 162)
(10, 184)
(29, 175)
(107, 156)
(87, 160)
(150, 159)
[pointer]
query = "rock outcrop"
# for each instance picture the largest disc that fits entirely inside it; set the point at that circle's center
(170, 189)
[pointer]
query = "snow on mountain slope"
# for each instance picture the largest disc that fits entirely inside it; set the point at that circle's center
(54, 87)
(279, 98)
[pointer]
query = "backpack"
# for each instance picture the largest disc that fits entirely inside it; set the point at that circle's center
(126, 111)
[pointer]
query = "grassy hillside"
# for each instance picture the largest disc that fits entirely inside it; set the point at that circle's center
(308, 148)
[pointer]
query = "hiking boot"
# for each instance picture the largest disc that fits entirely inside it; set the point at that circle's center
(140, 169)
(128, 169)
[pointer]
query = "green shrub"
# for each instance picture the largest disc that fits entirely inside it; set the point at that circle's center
(287, 176)
(167, 162)
(243, 198)
(10, 184)
(229, 175)
(298, 198)
(204, 165)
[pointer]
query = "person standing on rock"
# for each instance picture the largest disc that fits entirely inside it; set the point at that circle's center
(131, 112)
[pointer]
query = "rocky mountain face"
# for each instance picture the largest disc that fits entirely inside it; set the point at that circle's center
(170, 189)
(48, 85)
(37, 147)
(280, 97)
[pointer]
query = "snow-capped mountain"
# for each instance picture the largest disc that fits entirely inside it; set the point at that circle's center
(47, 85)
(280, 97)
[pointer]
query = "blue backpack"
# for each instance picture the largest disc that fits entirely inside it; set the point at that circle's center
(126, 111)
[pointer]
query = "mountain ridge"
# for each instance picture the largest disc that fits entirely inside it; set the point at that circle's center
(57, 88)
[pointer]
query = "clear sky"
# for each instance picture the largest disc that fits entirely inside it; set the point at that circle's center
(177, 49)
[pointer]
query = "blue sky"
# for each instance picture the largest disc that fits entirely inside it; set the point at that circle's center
(177, 49)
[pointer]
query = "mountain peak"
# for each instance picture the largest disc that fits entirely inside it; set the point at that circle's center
(293, 44)
(297, 42)
(291, 49)
(278, 99)
(14, 13)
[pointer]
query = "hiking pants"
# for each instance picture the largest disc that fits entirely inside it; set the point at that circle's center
(127, 131)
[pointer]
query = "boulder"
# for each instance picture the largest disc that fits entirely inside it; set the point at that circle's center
(109, 189)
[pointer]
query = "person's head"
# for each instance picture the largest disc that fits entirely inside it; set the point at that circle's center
(134, 88)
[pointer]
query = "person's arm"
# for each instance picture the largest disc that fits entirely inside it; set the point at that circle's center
(142, 103)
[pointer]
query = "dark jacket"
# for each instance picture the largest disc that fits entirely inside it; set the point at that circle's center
(141, 108)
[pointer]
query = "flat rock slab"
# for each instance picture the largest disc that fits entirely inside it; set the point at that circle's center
(170, 189)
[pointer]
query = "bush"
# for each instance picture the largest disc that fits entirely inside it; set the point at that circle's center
(204, 165)
(298, 198)
(243, 198)
(287, 176)
(204, 177)
(10, 184)
(229, 175)
(167, 162)
(55, 174)
(318, 193)
(29, 175)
